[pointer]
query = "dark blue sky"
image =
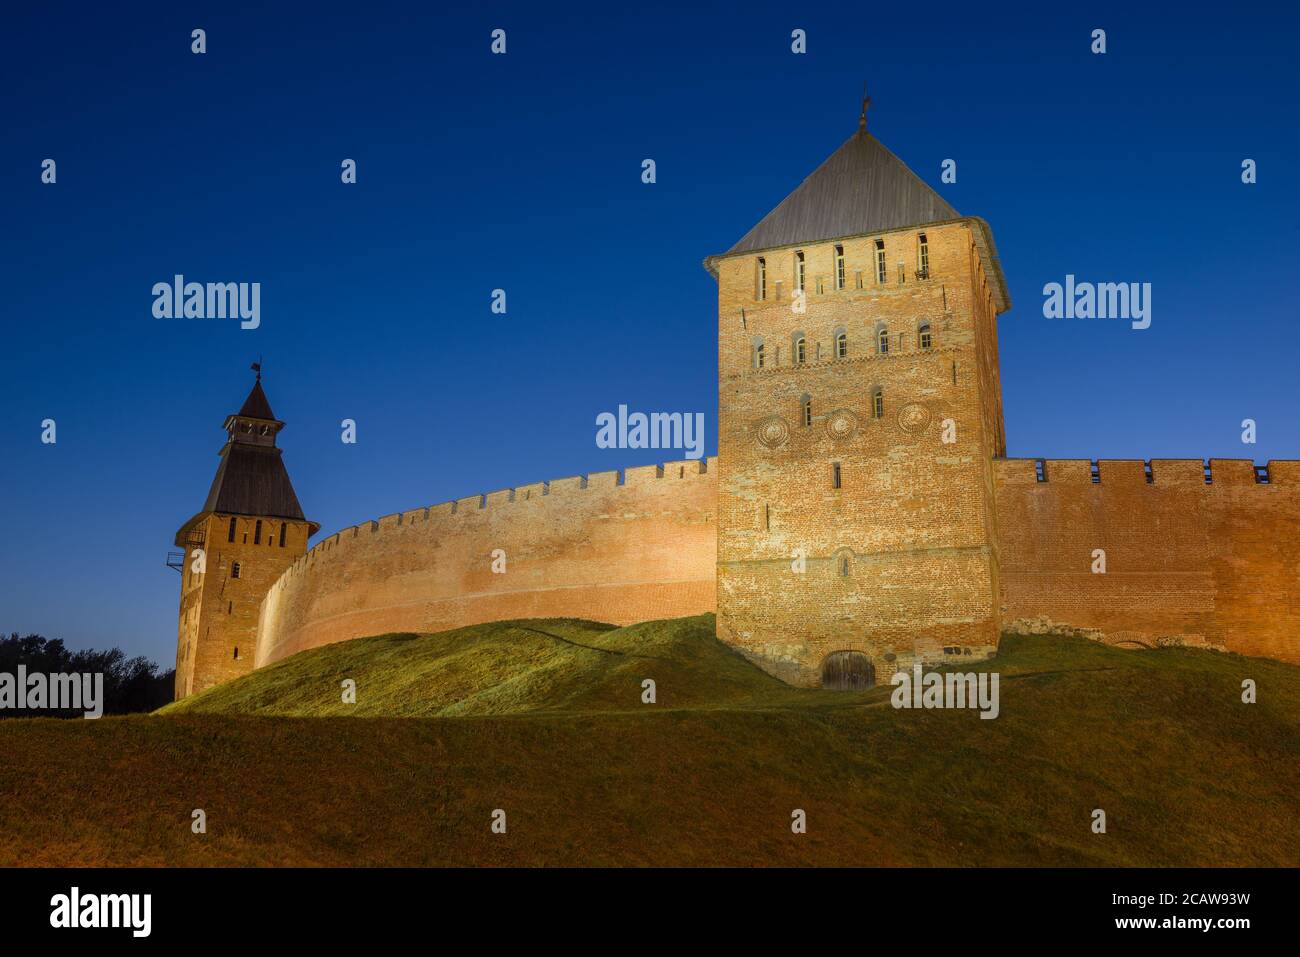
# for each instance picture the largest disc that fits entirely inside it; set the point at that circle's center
(523, 172)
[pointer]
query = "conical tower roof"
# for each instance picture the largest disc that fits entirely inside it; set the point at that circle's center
(256, 405)
(251, 479)
(861, 188)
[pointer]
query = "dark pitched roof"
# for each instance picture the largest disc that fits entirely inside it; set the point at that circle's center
(256, 405)
(861, 188)
(252, 480)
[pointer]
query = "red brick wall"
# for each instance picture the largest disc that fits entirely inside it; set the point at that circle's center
(217, 634)
(1194, 563)
(642, 550)
(914, 516)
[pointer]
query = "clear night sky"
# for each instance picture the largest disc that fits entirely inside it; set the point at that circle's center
(523, 172)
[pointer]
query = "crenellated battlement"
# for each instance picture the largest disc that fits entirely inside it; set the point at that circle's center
(614, 546)
(1175, 551)
(633, 477)
(1155, 472)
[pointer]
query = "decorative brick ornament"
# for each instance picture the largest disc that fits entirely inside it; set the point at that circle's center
(773, 432)
(913, 417)
(841, 424)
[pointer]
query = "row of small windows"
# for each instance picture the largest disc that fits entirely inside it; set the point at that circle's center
(840, 270)
(257, 532)
(799, 344)
(235, 568)
(877, 409)
(248, 428)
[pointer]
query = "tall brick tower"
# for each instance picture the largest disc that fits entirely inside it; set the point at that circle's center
(859, 412)
(248, 532)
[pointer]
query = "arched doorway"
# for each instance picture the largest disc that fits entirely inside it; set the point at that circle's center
(847, 671)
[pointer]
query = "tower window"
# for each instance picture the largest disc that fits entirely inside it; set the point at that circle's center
(231, 536)
(760, 291)
(283, 526)
(835, 475)
(234, 570)
(758, 354)
(923, 258)
(800, 350)
(841, 345)
(882, 340)
(878, 404)
(805, 410)
(257, 533)
(236, 652)
(798, 270)
(923, 336)
(844, 567)
(839, 267)
(881, 269)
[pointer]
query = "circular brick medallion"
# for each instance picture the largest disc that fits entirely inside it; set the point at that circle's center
(913, 417)
(773, 432)
(841, 424)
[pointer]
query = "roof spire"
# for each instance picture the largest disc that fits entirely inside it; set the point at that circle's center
(256, 406)
(866, 102)
(257, 367)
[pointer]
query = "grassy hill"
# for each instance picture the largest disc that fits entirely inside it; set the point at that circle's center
(511, 667)
(543, 719)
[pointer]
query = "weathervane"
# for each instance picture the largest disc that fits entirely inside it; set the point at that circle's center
(866, 102)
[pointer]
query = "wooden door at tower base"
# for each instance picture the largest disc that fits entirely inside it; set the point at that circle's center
(848, 671)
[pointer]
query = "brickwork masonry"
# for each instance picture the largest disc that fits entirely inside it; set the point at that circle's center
(1188, 562)
(613, 546)
(1196, 553)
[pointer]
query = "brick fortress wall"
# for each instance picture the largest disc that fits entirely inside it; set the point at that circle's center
(575, 547)
(1186, 562)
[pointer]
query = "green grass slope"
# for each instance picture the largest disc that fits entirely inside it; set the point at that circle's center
(511, 667)
(550, 728)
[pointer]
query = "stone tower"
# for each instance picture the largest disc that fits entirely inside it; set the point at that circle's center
(859, 413)
(248, 532)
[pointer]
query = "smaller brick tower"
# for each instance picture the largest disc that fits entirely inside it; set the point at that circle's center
(250, 529)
